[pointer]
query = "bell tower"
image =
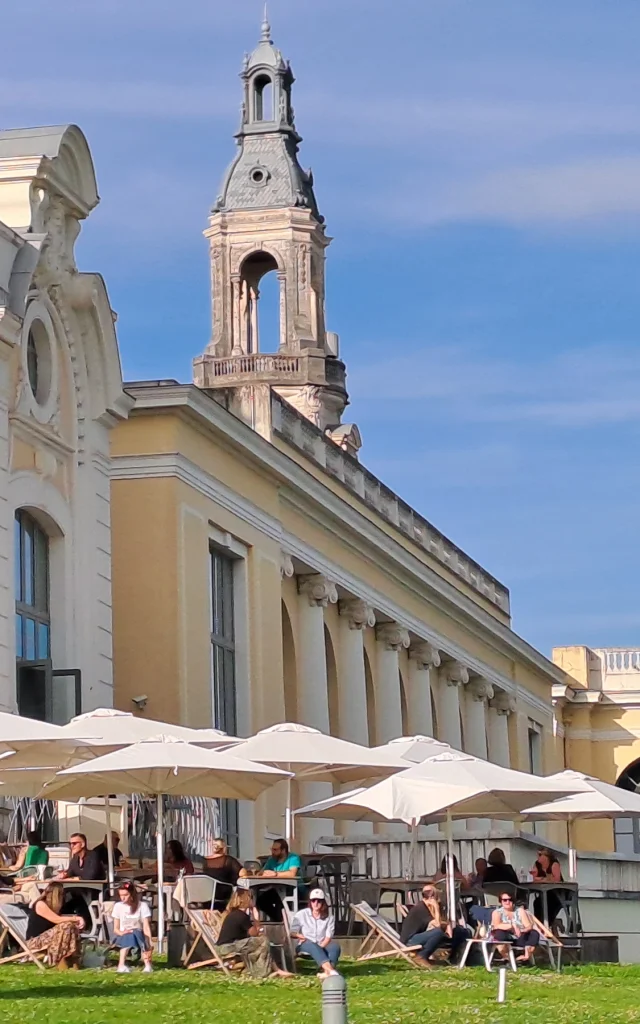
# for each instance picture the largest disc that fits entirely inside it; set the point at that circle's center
(265, 219)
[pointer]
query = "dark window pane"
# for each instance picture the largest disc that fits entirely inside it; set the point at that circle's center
(27, 562)
(18, 636)
(17, 556)
(227, 599)
(625, 844)
(29, 640)
(41, 570)
(42, 641)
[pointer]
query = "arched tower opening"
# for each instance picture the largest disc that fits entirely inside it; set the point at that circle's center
(262, 94)
(261, 329)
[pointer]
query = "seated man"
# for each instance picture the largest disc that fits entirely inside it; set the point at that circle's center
(281, 864)
(84, 864)
(103, 852)
(423, 926)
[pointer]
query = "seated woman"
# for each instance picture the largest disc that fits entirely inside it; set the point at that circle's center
(241, 933)
(132, 921)
(313, 929)
(226, 871)
(498, 870)
(457, 873)
(511, 924)
(31, 855)
(48, 930)
(176, 860)
(547, 869)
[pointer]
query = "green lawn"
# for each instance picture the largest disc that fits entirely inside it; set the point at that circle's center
(377, 994)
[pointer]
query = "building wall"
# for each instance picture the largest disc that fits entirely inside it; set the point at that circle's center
(327, 633)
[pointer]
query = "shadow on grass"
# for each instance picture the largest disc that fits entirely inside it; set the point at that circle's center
(71, 991)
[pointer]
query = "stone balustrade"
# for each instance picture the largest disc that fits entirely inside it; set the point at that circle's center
(297, 430)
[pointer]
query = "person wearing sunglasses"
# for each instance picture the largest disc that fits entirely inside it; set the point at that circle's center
(426, 926)
(84, 864)
(313, 929)
(514, 925)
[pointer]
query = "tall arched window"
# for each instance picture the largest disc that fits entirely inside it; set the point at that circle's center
(45, 693)
(263, 100)
(33, 624)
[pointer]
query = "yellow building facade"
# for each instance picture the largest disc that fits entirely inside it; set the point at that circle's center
(260, 572)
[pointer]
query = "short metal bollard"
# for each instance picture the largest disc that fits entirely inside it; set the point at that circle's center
(334, 1000)
(502, 985)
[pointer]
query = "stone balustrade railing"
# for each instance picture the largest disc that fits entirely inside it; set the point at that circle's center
(289, 366)
(294, 428)
(620, 659)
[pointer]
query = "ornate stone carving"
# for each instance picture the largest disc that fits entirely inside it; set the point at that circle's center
(394, 636)
(358, 613)
(502, 702)
(286, 565)
(319, 590)
(425, 655)
(455, 674)
(480, 690)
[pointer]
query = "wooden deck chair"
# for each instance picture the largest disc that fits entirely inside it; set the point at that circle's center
(380, 931)
(550, 942)
(206, 926)
(488, 946)
(13, 922)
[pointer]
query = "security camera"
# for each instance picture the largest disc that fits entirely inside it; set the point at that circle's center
(140, 702)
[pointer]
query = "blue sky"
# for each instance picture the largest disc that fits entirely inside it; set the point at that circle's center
(478, 163)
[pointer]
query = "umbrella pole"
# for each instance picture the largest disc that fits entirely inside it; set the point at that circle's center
(160, 856)
(411, 866)
(451, 879)
(107, 814)
(288, 816)
(573, 853)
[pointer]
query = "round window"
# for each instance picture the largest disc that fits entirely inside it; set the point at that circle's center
(259, 175)
(39, 362)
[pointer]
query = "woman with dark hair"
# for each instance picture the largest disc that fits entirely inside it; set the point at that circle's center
(457, 873)
(511, 924)
(31, 855)
(51, 932)
(240, 932)
(313, 929)
(547, 869)
(176, 860)
(132, 922)
(498, 870)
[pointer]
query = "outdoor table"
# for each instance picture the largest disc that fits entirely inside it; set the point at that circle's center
(568, 893)
(289, 887)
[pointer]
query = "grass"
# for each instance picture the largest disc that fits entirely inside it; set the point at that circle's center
(377, 994)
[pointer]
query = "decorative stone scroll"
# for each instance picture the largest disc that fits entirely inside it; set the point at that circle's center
(319, 590)
(425, 655)
(480, 690)
(358, 613)
(502, 702)
(455, 674)
(286, 565)
(394, 636)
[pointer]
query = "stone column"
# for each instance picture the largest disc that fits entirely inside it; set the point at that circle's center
(391, 638)
(235, 308)
(451, 676)
(282, 281)
(316, 592)
(501, 705)
(424, 659)
(477, 693)
(254, 295)
(355, 616)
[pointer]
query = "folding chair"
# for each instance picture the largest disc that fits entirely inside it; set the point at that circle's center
(380, 931)
(551, 942)
(489, 948)
(13, 922)
(206, 926)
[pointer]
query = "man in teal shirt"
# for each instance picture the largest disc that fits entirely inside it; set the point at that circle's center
(281, 864)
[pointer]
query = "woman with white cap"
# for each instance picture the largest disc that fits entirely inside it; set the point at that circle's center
(313, 929)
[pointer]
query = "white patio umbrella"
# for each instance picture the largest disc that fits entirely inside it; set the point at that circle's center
(26, 741)
(598, 800)
(444, 787)
(311, 755)
(413, 748)
(164, 766)
(86, 736)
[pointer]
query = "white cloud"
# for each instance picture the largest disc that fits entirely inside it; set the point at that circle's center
(575, 388)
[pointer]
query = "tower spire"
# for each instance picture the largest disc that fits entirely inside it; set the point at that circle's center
(265, 36)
